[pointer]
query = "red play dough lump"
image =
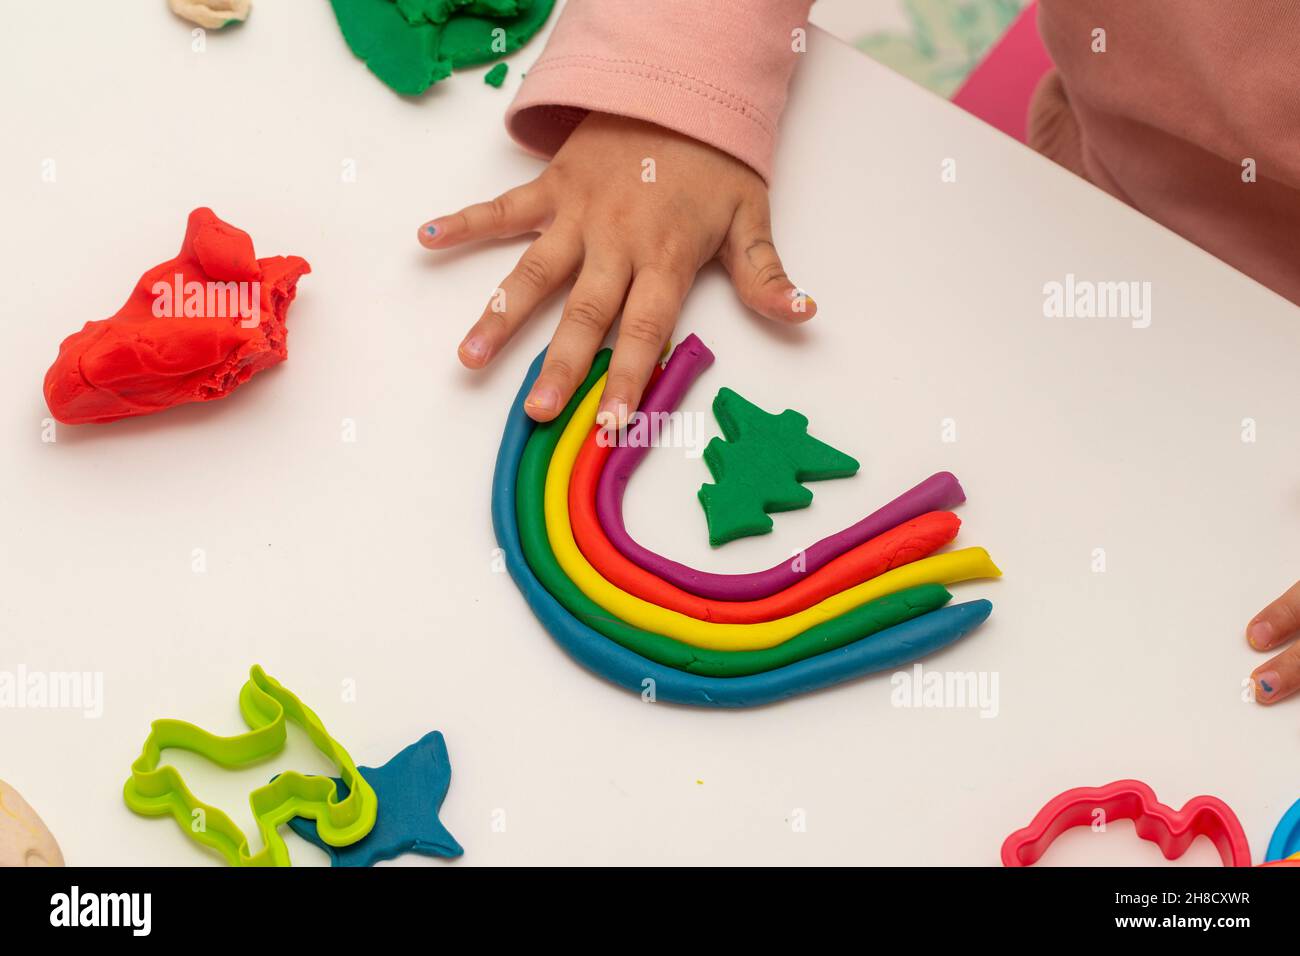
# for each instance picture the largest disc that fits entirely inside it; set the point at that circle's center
(195, 328)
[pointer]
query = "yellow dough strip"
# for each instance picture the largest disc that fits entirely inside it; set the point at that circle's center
(946, 568)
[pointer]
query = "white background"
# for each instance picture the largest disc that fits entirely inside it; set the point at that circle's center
(371, 561)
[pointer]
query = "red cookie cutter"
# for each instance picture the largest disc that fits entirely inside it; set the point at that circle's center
(1172, 830)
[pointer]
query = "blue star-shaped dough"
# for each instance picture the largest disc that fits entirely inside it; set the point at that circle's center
(411, 788)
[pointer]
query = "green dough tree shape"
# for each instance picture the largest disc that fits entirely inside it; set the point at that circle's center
(760, 466)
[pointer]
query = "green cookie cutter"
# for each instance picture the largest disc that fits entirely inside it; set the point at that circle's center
(156, 791)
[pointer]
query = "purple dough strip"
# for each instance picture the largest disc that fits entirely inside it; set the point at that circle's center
(939, 492)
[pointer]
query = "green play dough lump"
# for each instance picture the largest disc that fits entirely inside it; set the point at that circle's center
(412, 44)
(470, 40)
(440, 11)
(760, 466)
(399, 53)
(496, 76)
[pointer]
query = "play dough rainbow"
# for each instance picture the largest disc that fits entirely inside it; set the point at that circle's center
(940, 569)
(908, 542)
(665, 650)
(939, 492)
(882, 633)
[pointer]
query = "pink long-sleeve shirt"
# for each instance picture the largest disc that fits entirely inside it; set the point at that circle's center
(715, 70)
(1191, 113)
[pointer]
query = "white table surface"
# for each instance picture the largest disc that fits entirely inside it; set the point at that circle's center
(371, 562)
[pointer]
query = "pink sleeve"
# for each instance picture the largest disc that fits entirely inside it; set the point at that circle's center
(715, 70)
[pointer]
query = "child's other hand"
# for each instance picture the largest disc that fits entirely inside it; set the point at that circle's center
(1271, 628)
(635, 210)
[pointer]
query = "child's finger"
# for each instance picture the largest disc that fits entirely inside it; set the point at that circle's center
(756, 271)
(1277, 623)
(542, 269)
(653, 304)
(1279, 678)
(587, 316)
(522, 209)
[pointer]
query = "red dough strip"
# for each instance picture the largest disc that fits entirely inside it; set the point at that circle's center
(194, 328)
(908, 542)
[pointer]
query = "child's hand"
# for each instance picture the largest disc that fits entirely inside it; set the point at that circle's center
(635, 210)
(1270, 628)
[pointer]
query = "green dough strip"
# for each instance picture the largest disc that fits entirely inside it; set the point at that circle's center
(496, 76)
(529, 495)
(760, 467)
(412, 44)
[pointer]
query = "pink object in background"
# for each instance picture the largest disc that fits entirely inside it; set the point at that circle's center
(998, 91)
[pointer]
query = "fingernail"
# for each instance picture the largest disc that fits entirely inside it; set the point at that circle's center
(613, 414)
(475, 349)
(544, 398)
(1267, 684)
(1260, 634)
(801, 301)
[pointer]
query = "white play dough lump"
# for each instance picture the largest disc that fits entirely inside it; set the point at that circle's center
(211, 14)
(24, 839)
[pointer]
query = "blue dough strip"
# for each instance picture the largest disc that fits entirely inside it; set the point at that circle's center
(1286, 838)
(889, 648)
